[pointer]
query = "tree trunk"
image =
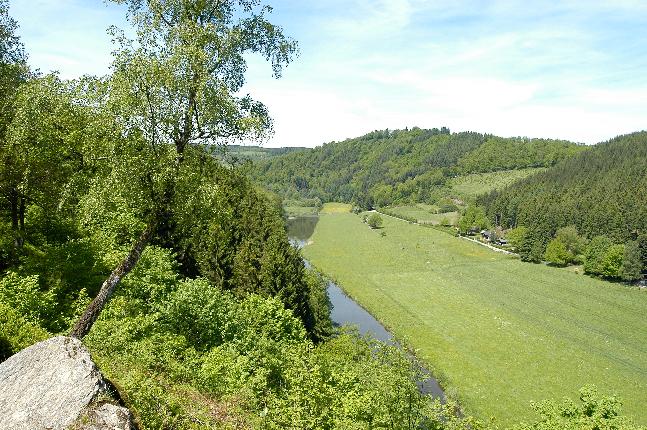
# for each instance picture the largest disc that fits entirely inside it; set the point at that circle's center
(85, 322)
(21, 223)
(13, 202)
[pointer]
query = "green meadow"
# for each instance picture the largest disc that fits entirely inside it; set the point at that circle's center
(497, 332)
(424, 214)
(470, 186)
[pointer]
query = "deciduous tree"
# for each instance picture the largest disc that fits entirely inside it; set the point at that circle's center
(176, 87)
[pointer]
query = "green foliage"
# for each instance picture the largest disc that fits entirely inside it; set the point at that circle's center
(387, 167)
(319, 302)
(573, 242)
(593, 412)
(599, 191)
(24, 296)
(16, 331)
(447, 207)
(567, 247)
(642, 246)
(595, 254)
(473, 218)
(631, 262)
(196, 311)
(611, 266)
(374, 221)
(557, 254)
(40, 151)
(517, 237)
(205, 349)
(509, 153)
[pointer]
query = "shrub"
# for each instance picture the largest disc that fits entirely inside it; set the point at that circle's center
(573, 242)
(374, 221)
(612, 263)
(446, 208)
(595, 254)
(557, 254)
(593, 412)
(474, 217)
(200, 312)
(23, 294)
(16, 332)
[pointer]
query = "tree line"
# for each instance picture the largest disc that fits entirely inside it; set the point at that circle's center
(401, 166)
(591, 209)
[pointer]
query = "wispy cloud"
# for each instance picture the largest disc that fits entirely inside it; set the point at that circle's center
(573, 69)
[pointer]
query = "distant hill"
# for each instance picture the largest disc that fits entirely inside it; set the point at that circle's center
(255, 153)
(602, 191)
(404, 166)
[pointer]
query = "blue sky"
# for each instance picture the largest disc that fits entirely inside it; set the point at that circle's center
(564, 69)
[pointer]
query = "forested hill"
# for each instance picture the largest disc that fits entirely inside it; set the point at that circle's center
(236, 153)
(386, 167)
(602, 191)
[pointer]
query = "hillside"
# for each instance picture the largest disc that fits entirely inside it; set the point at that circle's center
(402, 166)
(602, 191)
(253, 152)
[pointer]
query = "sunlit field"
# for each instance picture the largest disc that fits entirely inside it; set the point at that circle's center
(499, 333)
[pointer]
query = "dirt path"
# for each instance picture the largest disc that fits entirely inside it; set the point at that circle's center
(487, 245)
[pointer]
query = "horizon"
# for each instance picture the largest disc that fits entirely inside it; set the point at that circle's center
(574, 71)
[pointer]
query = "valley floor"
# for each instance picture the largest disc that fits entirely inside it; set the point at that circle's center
(499, 333)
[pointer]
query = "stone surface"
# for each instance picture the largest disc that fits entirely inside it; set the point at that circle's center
(105, 417)
(48, 385)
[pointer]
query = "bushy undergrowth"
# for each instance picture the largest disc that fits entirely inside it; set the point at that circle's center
(187, 355)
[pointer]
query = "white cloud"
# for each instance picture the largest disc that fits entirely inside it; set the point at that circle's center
(572, 69)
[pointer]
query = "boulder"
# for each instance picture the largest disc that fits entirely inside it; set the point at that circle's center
(104, 416)
(51, 385)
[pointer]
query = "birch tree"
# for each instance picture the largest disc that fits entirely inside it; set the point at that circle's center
(174, 87)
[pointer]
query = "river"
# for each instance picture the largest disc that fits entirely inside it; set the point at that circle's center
(345, 311)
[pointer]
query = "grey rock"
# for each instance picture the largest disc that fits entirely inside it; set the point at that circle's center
(48, 386)
(105, 417)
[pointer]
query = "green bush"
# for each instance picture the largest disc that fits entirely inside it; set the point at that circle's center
(23, 294)
(593, 412)
(16, 332)
(374, 221)
(448, 207)
(611, 266)
(199, 312)
(631, 262)
(595, 255)
(557, 254)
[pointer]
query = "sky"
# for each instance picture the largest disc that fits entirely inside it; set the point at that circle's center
(573, 70)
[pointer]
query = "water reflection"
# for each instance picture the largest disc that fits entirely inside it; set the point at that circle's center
(300, 229)
(345, 311)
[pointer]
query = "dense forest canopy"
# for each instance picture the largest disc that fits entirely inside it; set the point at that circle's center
(400, 166)
(602, 191)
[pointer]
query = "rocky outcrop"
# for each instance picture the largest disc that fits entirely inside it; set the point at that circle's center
(55, 385)
(104, 416)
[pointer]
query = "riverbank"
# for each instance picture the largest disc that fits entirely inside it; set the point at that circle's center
(499, 333)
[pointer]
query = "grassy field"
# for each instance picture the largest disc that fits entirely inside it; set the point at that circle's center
(470, 186)
(423, 214)
(336, 208)
(497, 332)
(300, 210)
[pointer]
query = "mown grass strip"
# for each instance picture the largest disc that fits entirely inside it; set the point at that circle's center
(498, 332)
